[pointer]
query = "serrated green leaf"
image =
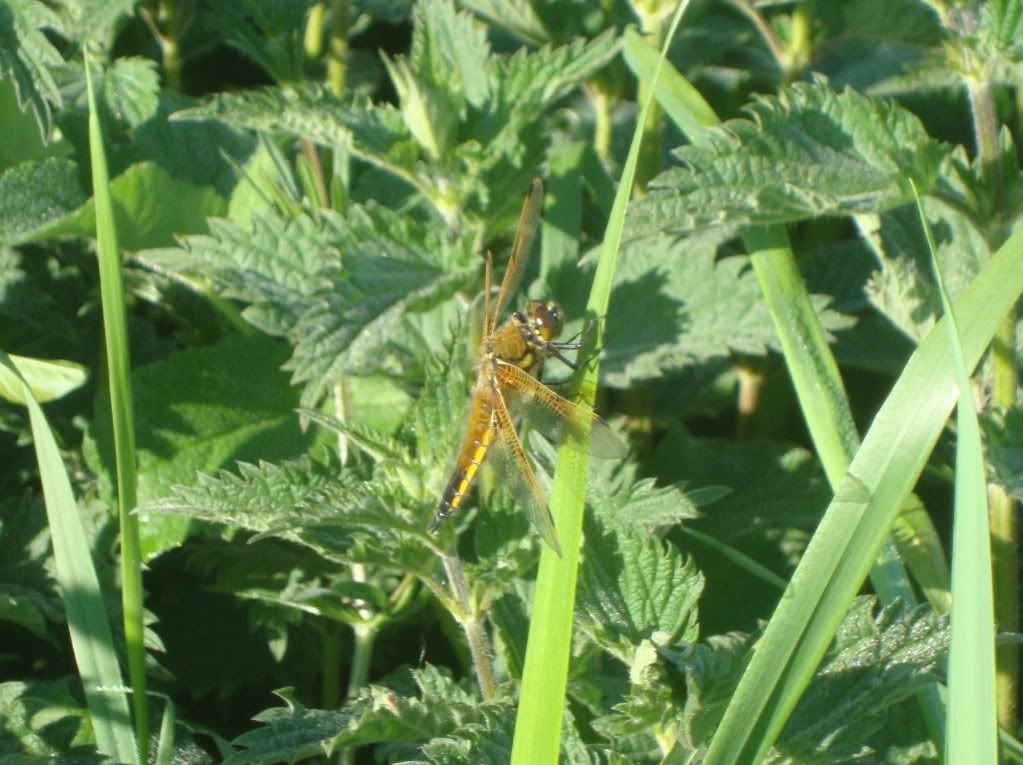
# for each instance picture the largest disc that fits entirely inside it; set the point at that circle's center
(378, 714)
(517, 16)
(272, 263)
(806, 153)
(376, 134)
(26, 56)
(634, 587)
(348, 326)
(875, 661)
(48, 380)
(669, 316)
(86, 20)
(197, 411)
(22, 142)
(43, 722)
(34, 194)
(131, 88)
(269, 32)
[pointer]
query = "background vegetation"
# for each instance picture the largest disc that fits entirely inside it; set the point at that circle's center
(240, 256)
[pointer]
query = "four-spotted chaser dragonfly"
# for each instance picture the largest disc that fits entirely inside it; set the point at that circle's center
(511, 360)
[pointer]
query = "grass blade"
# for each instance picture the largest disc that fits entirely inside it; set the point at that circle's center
(115, 327)
(972, 729)
(545, 672)
(91, 638)
(854, 527)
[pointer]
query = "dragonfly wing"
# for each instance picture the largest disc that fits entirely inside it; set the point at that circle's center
(510, 460)
(525, 234)
(555, 415)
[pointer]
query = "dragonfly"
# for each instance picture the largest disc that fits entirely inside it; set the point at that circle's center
(511, 360)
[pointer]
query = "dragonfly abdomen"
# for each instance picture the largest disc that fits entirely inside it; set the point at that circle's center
(474, 450)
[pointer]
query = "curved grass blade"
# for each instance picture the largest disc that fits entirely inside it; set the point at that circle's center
(971, 733)
(91, 638)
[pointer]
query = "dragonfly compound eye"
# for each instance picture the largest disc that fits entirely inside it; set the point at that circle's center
(546, 318)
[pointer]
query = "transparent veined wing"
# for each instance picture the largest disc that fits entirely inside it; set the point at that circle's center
(555, 415)
(514, 471)
(525, 235)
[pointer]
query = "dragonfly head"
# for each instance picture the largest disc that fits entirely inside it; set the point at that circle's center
(546, 318)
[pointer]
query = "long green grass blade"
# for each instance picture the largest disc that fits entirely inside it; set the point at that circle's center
(115, 328)
(545, 671)
(91, 638)
(853, 529)
(971, 727)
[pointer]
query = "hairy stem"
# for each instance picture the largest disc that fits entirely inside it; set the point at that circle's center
(337, 53)
(475, 634)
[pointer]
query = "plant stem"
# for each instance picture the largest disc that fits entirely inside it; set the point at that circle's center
(766, 32)
(600, 100)
(330, 690)
(649, 160)
(312, 41)
(169, 44)
(337, 53)
(475, 635)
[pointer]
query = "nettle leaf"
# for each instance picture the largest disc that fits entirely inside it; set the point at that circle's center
(26, 56)
(806, 153)
(712, 671)
(390, 267)
(528, 82)
(634, 587)
(128, 89)
(488, 741)
(269, 33)
(34, 194)
(375, 133)
(343, 515)
(43, 722)
(86, 20)
(875, 661)
(450, 51)
(675, 303)
(377, 715)
(273, 263)
(903, 289)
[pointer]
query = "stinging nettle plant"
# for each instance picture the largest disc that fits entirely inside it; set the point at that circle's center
(302, 260)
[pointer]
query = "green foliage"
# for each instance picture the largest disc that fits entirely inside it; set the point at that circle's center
(34, 194)
(26, 58)
(634, 589)
(302, 238)
(378, 714)
(807, 153)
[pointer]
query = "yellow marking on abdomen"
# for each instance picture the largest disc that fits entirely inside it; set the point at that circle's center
(471, 469)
